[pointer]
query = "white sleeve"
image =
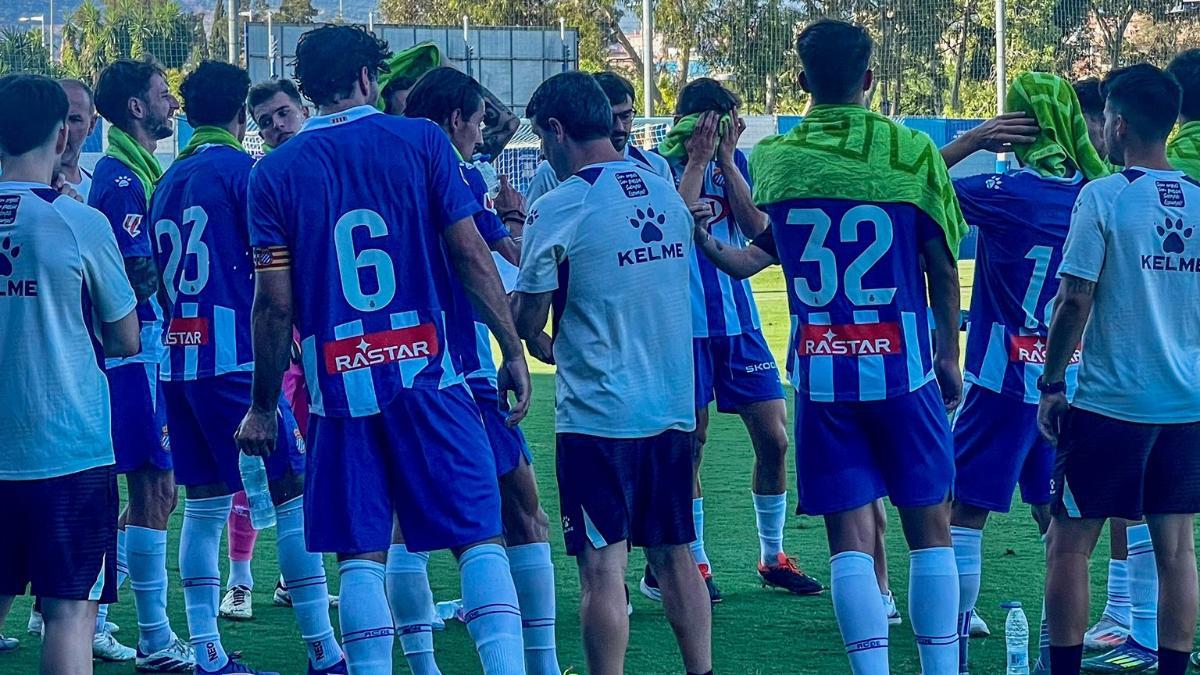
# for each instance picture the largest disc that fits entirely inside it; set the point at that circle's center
(103, 267)
(542, 182)
(1083, 253)
(548, 234)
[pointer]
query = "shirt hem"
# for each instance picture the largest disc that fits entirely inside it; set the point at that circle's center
(609, 432)
(47, 474)
(1122, 416)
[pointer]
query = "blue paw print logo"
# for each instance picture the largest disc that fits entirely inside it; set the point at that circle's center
(1174, 235)
(123, 181)
(649, 223)
(8, 253)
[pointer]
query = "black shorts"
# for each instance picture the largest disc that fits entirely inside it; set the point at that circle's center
(1109, 468)
(633, 490)
(61, 536)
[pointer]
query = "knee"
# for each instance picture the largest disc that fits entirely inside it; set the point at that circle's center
(668, 562)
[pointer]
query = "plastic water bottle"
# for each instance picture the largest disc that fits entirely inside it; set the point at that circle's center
(258, 491)
(449, 609)
(1016, 639)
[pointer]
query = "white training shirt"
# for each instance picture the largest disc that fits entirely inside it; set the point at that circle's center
(614, 244)
(84, 186)
(1137, 235)
(545, 180)
(58, 260)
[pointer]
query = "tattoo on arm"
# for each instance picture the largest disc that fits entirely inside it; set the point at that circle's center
(143, 276)
(1075, 285)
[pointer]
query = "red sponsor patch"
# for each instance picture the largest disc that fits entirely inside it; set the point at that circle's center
(852, 339)
(187, 332)
(1032, 349)
(388, 346)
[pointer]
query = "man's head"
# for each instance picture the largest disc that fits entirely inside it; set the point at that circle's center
(395, 94)
(705, 95)
(1092, 104)
(1141, 105)
(620, 96)
(276, 108)
(81, 118)
(214, 95)
(133, 95)
(566, 111)
(33, 116)
(836, 61)
(454, 101)
(1186, 69)
(338, 66)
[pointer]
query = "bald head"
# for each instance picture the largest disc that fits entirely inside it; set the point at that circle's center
(81, 119)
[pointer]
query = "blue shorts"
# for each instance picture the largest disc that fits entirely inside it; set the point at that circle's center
(205, 413)
(424, 459)
(508, 444)
(850, 453)
(997, 446)
(139, 418)
(61, 536)
(735, 370)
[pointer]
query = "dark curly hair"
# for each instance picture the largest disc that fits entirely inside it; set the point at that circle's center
(214, 92)
(329, 59)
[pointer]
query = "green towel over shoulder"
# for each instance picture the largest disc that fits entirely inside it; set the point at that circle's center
(848, 152)
(209, 136)
(1183, 150)
(1063, 142)
(142, 162)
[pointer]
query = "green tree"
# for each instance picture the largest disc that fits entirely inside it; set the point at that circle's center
(94, 37)
(24, 52)
(296, 11)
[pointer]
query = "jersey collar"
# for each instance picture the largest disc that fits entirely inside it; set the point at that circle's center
(21, 185)
(1073, 180)
(339, 118)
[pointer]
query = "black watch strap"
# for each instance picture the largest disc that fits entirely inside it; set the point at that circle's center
(1059, 387)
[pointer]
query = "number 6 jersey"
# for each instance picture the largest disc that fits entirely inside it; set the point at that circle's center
(356, 204)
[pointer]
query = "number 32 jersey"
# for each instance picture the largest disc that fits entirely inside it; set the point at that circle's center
(356, 204)
(860, 328)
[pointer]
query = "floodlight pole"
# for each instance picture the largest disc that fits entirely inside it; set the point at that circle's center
(1001, 76)
(232, 12)
(648, 56)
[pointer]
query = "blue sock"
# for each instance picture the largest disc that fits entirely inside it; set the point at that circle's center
(860, 616)
(1143, 587)
(533, 576)
(493, 616)
(411, 600)
(147, 551)
(770, 513)
(697, 546)
(933, 608)
(122, 573)
(968, 558)
(367, 628)
(199, 548)
(304, 574)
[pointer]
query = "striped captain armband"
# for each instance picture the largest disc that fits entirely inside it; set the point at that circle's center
(272, 258)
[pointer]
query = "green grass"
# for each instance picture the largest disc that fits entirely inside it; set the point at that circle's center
(754, 630)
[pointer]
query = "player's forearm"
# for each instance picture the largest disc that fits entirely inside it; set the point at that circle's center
(143, 277)
(509, 249)
(959, 149)
(751, 221)
(1072, 307)
(739, 263)
(692, 182)
(946, 305)
(271, 334)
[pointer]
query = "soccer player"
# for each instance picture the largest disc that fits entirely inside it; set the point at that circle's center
(395, 94)
(620, 95)
(278, 110)
(81, 120)
(1126, 442)
(1022, 217)
(133, 96)
(365, 270)
(57, 483)
(861, 240)
(202, 245)
(734, 366)
(609, 249)
(455, 102)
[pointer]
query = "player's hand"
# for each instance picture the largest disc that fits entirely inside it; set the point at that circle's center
(64, 188)
(1051, 409)
(702, 214)
(1001, 133)
(508, 199)
(256, 434)
(513, 375)
(949, 379)
(702, 144)
(729, 138)
(541, 348)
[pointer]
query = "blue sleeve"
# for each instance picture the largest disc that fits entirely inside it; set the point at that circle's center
(450, 196)
(263, 215)
(490, 227)
(123, 202)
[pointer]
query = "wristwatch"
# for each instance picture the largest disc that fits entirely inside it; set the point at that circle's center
(1059, 387)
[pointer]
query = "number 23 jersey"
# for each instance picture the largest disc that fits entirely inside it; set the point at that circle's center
(356, 204)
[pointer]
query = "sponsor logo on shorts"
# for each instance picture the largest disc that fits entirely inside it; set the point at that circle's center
(164, 440)
(187, 332)
(853, 339)
(1170, 193)
(760, 367)
(566, 525)
(1173, 237)
(1032, 349)
(132, 224)
(300, 445)
(373, 349)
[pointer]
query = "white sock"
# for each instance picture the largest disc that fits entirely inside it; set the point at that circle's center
(933, 608)
(240, 574)
(533, 577)
(199, 549)
(122, 573)
(697, 546)
(1143, 587)
(304, 574)
(493, 616)
(968, 558)
(147, 553)
(1116, 607)
(860, 617)
(411, 600)
(770, 513)
(367, 628)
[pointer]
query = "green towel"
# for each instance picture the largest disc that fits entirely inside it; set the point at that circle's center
(412, 62)
(1183, 150)
(674, 146)
(1063, 141)
(209, 136)
(142, 162)
(848, 152)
